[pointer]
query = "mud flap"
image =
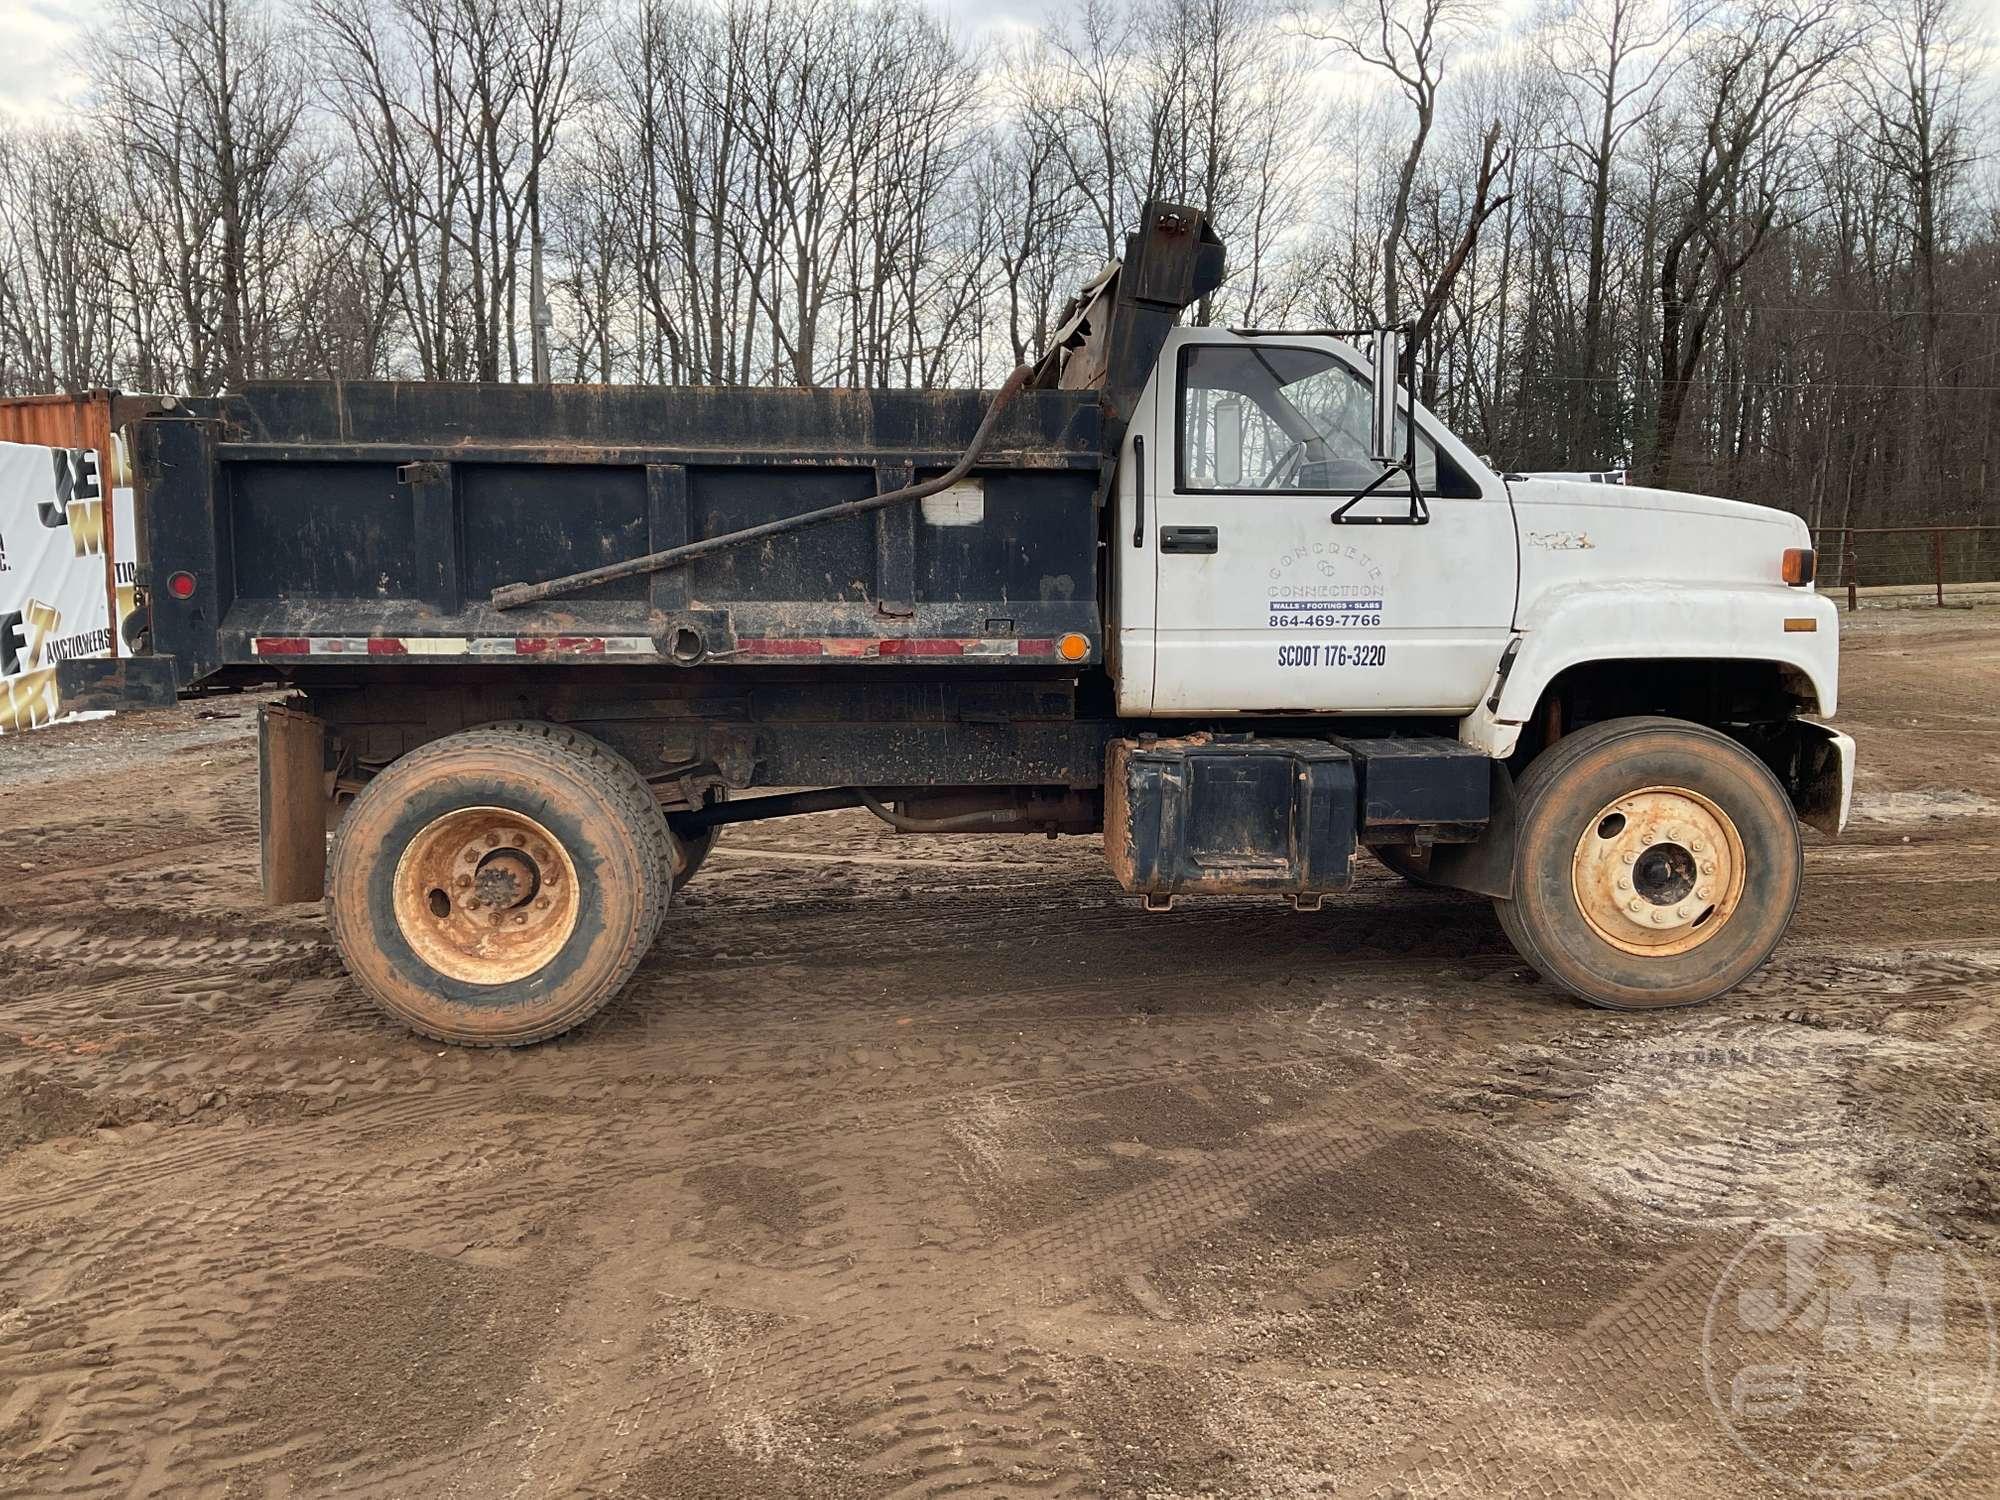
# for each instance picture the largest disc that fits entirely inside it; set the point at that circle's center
(1486, 865)
(1824, 795)
(291, 804)
(90, 683)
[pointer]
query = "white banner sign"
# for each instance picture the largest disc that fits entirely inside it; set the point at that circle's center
(124, 542)
(53, 598)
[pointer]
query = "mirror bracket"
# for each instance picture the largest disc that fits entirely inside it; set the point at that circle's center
(1393, 362)
(1419, 513)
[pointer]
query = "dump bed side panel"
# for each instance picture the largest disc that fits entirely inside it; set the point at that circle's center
(320, 521)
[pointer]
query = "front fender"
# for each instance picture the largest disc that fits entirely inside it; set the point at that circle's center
(1637, 620)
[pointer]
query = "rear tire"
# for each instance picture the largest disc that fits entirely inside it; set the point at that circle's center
(499, 886)
(1657, 863)
(691, 852)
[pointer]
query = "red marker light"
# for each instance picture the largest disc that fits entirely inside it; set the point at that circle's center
(181, 585)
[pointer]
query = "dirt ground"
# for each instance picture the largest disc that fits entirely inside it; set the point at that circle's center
(915, 1166)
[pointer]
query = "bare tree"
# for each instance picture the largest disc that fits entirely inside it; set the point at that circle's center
(1613, 59)
(1409, 40)
(1750, 85)
(203, 100)
(58, 318)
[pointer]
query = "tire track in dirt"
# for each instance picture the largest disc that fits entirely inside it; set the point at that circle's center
(1633, 1411)
(150, 1250)
(831, 1360)
(70, 944)
(877, 1325)
(404, 1106)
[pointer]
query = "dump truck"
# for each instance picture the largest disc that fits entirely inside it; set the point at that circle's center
(1227, 598)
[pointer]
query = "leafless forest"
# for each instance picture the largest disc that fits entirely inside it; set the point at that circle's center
(1750, 246)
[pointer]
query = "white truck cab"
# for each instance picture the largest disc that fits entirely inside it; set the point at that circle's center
(1248, 582)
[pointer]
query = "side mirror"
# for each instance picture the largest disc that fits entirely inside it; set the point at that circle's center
(1384, 347)
(1229, 416)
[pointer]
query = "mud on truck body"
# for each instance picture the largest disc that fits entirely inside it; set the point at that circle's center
(1209, 593)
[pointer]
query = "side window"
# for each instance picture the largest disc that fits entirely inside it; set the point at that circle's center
(1273, 418)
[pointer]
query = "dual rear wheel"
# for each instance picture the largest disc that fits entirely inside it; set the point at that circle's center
(498, 886)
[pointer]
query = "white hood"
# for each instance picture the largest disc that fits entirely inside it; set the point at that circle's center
(1572, 530)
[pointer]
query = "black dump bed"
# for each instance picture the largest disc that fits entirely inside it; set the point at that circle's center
(320, 520)
(298, 523)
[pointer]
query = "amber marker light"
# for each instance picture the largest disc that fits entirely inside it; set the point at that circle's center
(1798, 565)
(1073, 647)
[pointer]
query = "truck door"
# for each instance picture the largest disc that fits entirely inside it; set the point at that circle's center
(1261, 601)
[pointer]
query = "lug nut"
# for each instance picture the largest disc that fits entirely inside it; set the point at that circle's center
(492, 839)
(1635, 904)
(541, 903)
(1681, 912)
(462, 881)
(1674, 834)
(522, 920)
(1697, 846)
(1624, 885)
(1702, 894)
(1659, 917)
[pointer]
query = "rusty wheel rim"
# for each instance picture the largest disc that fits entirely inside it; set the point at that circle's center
(1659, 871)
(486, 895)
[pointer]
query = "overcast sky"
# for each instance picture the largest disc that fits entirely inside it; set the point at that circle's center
(35, 80)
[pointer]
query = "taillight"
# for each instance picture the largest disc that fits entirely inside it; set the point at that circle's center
(1798, 565)
(181, 585)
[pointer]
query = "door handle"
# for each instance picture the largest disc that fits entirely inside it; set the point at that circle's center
(1187, 538)
(1138, 489)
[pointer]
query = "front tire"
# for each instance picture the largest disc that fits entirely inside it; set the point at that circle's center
(499, 886)
(1657, 863)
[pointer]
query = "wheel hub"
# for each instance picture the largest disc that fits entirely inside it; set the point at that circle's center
(505, 878)
(486, 895)
(1659, 871)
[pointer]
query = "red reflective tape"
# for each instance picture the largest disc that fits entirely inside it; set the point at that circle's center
(559, 645)
(849, 646)
(280, 645)
(385, 646)
(921, 646)
(780, 646)
(1038, 648)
